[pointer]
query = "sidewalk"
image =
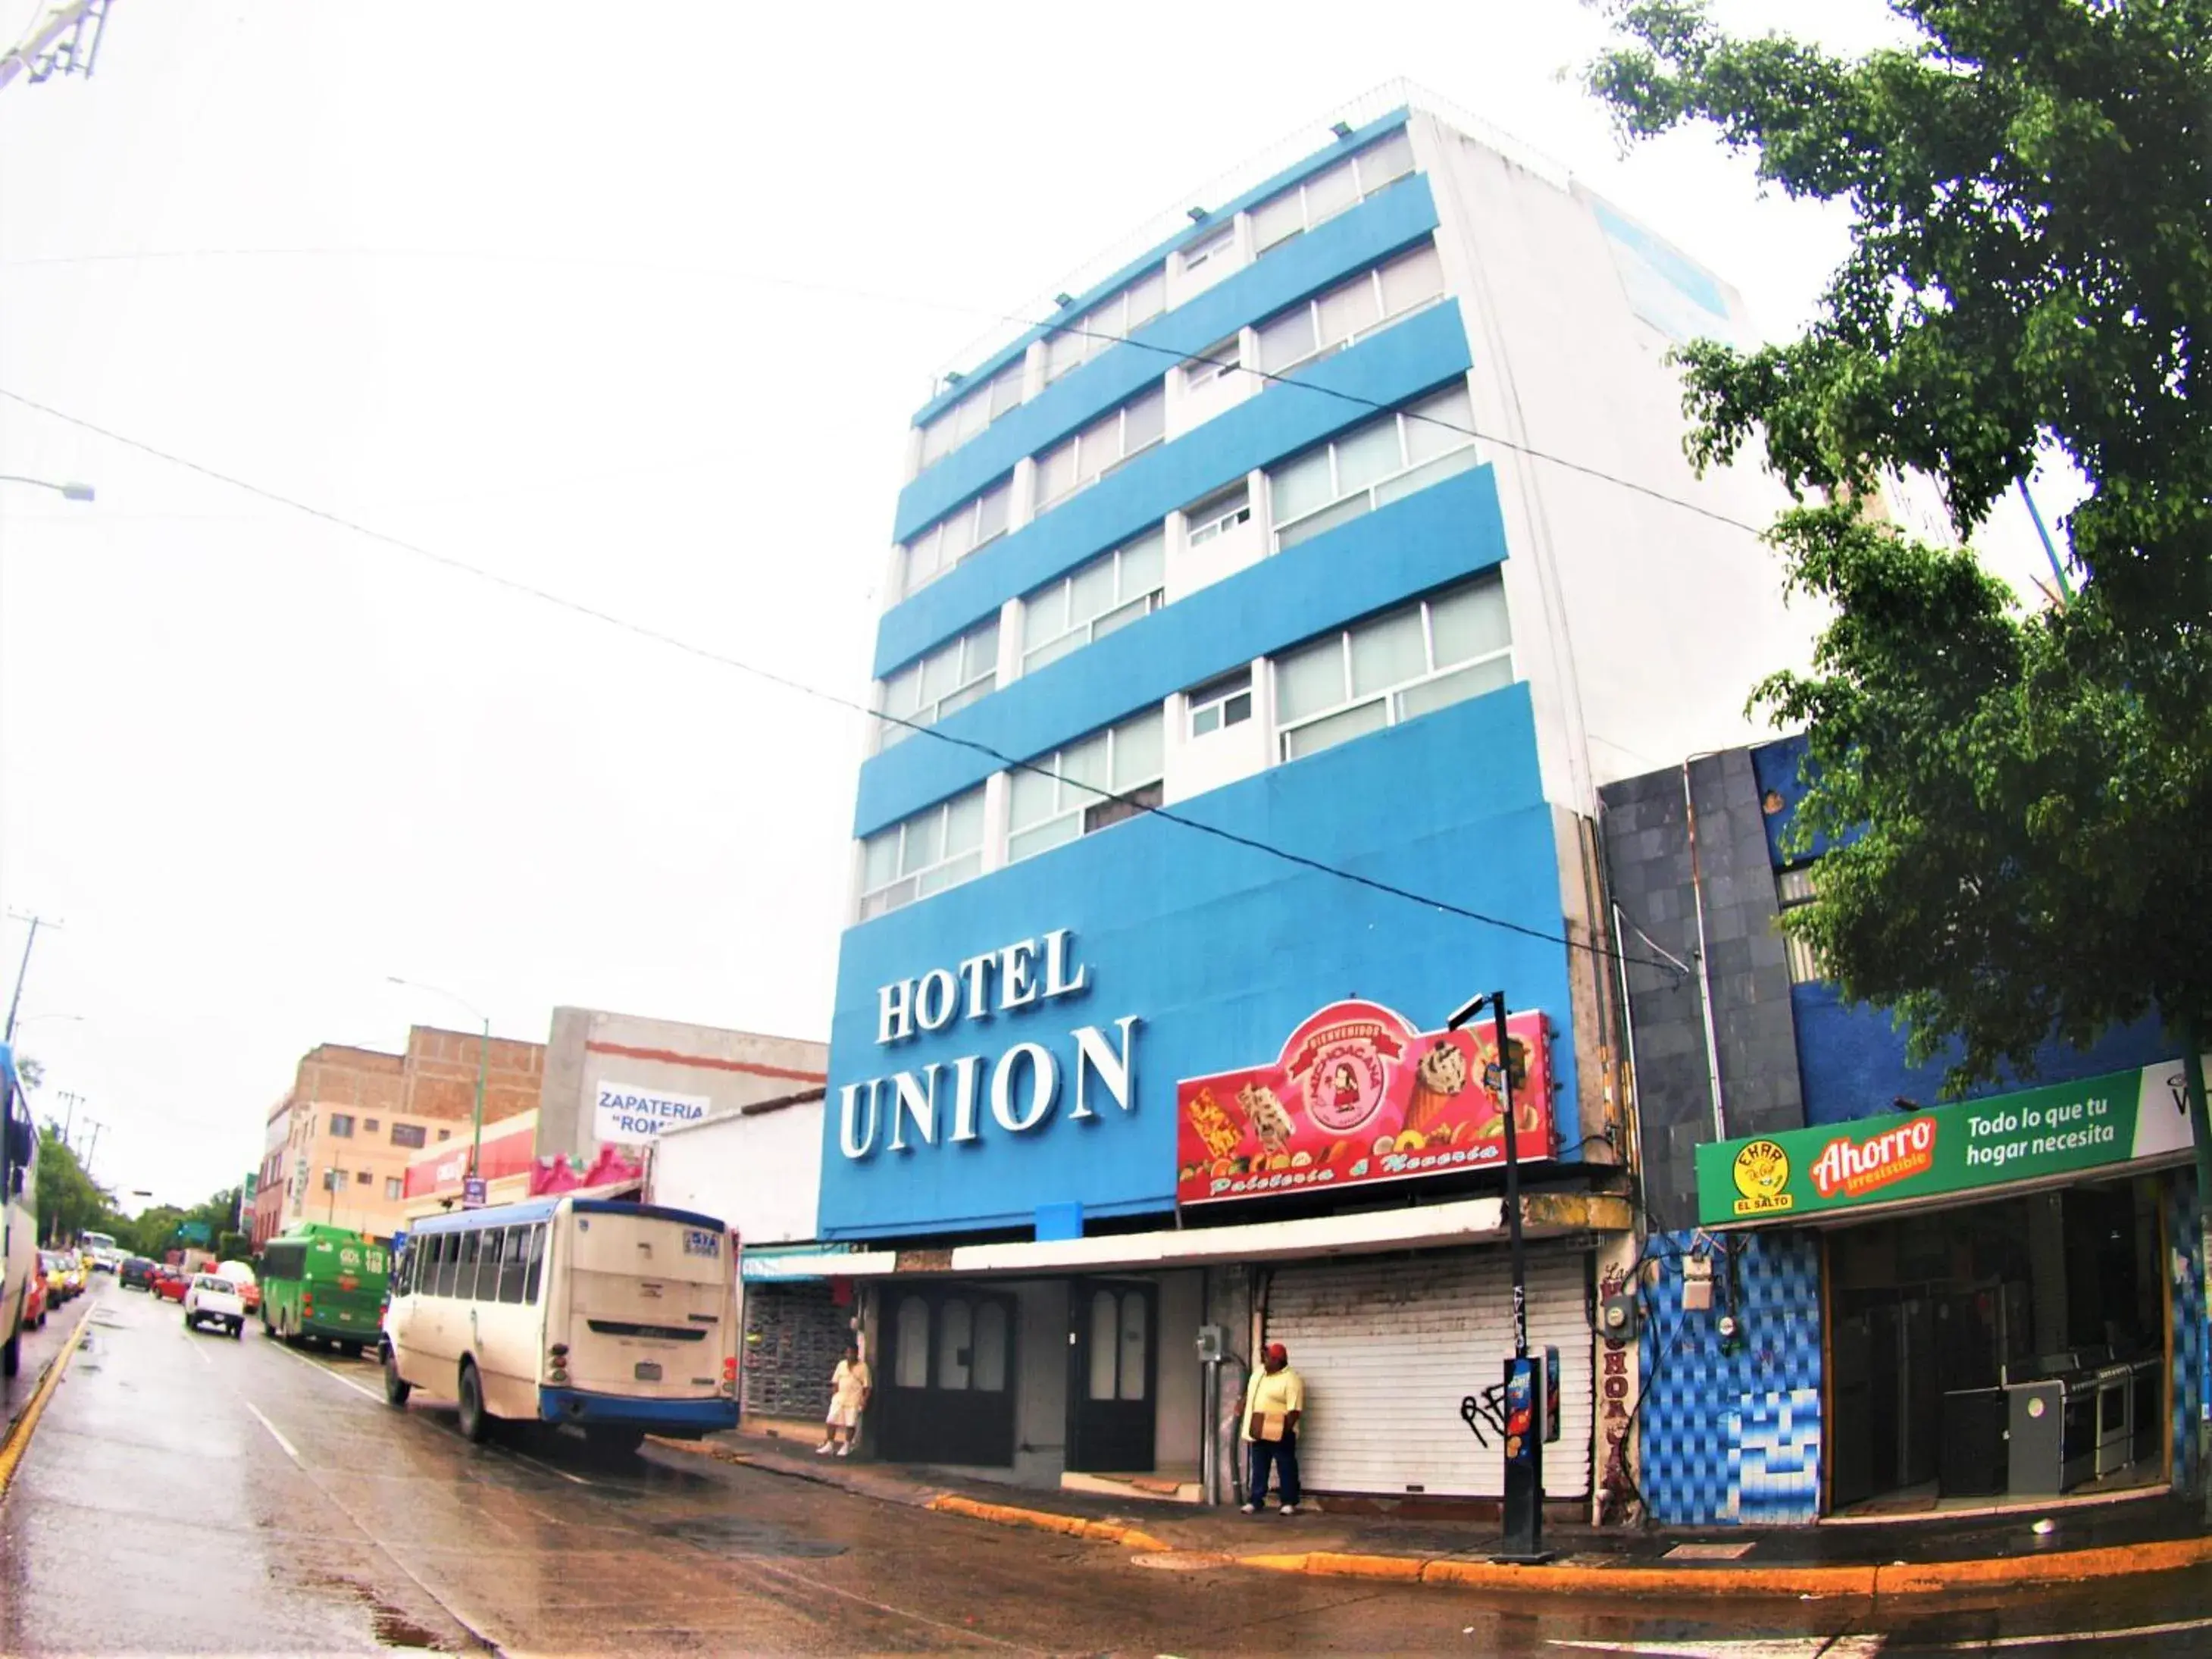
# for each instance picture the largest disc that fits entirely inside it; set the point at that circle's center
(2117, 1539)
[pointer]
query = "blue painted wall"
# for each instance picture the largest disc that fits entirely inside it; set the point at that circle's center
(1218, 214)
(1219, 950)
(1448, 531)
(1420, 354)
(1361, 237)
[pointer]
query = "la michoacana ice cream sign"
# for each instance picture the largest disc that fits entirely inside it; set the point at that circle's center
(2120, 1118)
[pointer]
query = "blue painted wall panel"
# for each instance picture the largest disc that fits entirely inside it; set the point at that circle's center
(1852, 1061)
(1219, 950)
(1219, 215)
(1448, 530)
(1354, 241)
(1422, 352)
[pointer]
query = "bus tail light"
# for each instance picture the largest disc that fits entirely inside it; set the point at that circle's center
(306, 1304)
(730, 1375)
(556, 1361)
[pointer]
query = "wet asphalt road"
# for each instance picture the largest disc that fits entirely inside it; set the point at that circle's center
(194, 1494)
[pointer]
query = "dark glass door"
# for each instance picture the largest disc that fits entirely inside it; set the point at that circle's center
(946, 1381)
(1113, 1369)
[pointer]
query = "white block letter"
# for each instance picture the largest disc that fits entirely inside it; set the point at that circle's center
(1046, 1083)
(895, 1012)
(848, 1099)
(936, 1000)
(1017, 989)
(1059, 952)
(968, 1074)
(917, 1098)
(977, 970)
(1091, 1054)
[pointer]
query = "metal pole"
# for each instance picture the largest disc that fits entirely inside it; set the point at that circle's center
(93, 1150)
(22, 969)
(1525, 1384)
(1512, 1187)
(69, 1116)
(483, 1064)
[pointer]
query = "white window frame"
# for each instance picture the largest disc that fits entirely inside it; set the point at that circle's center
(1207, 249)
(1104, 325)
(1384, 318)
(1079, 801)
(1047, 651)
(918, 880)
(1379, 492)
(1215, 363)
(932, 536)
(1389, 696)
(1218, 697)
(975, 413)
(1073, 446)
(977, 677)
(1362, 188)
(1794, 889)
(1219, 513)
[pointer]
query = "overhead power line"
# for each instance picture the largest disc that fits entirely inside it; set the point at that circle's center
(691, 648)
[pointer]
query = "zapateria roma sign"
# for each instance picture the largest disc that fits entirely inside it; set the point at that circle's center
(1360, 1095)
(2120, 1118)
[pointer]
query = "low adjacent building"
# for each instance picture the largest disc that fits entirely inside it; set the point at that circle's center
(1855, 1297)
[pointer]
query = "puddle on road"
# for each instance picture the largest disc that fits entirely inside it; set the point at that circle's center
(391, 1628)
(738, 1534)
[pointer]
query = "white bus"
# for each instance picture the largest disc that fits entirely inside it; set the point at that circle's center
(618, 1319)
(101, 1247)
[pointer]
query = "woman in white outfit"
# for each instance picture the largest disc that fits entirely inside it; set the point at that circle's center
(850, 1385)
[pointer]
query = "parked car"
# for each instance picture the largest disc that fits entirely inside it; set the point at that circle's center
(209, 1300)
(136, 1274)
(53, 1268)
(172, 1284)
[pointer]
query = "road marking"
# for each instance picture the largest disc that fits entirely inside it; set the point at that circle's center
(372, 1394)
(342, 1382)
(1754, 1647)
(275, 1434)
(1991, 1643)
(16, 1439)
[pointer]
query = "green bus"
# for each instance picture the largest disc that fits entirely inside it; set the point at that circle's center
(324, 1284)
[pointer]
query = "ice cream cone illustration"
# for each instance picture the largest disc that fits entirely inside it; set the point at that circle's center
(1438, 1081)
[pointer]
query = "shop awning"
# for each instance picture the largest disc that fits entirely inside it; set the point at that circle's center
(1433, 1226)
(2118, 1124)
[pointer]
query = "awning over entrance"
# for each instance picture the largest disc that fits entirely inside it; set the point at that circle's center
(1469, 1221)
(2112, 1125)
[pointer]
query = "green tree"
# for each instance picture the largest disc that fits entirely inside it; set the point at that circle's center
(2018, 801)
(69, 1201)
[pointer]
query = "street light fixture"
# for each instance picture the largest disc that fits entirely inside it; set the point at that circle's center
(71, 490)
(483, 1059)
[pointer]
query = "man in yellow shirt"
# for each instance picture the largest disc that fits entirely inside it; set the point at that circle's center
(1274, 1402)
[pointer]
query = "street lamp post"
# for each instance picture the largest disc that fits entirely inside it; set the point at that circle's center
(483, 1060)
(68, 491)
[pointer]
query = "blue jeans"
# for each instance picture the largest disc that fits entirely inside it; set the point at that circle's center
(1281, 1456)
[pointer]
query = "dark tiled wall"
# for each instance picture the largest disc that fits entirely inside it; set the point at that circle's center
(795, 1335)
(1648, 861)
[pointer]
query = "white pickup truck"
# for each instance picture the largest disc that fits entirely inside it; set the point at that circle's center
(212, 1301)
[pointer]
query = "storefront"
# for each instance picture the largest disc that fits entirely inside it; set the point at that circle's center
(1998, 1314)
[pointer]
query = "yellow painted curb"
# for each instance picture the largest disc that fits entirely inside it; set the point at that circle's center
(19, 1440)
(1364, 1566)
(1273, 1563)
(1660, 1581)
(1009, 1514)
(2070, 1566)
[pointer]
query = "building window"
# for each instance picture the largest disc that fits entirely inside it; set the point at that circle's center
(1105, 324)
(407, 1134)
(1372, 466)
(362, 1177)
(1107, 443)
(972, 413)
(1108, 776)
(979, 519)
(1793, 890)
(1327, 193)
(342, 1125)
(1222, 702)
(368, 1126)
(393, 1186)
(1111, 591)
(1352, 310)
(934, 850)
(930, 688)
(1393, 667)
(1219, 513)
(1216, 363)
(445, 1134)
(1218, 248)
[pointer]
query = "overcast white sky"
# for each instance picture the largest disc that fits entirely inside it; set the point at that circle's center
(556, 289)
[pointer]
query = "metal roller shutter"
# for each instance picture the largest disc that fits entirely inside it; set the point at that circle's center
(1388, 1349)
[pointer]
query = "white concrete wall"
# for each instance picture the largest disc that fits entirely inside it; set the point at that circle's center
(1196, 764)
(761, 1173)
(1641, 626)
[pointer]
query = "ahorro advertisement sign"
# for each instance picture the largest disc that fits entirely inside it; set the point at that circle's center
(2120, 1117)
(1360, 1095)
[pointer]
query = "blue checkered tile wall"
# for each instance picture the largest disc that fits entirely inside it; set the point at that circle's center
(1733, 1437)
(2184, 1277)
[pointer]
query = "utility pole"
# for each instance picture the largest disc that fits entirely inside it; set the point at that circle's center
(65, 41)
(69, 1116)
(97, 1126)
(23, 968)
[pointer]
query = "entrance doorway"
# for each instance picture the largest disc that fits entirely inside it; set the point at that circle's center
(1113, 1374)
(2008, 1349)
(946, 1380)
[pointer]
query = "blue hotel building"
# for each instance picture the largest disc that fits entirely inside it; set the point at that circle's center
(1347, 524)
